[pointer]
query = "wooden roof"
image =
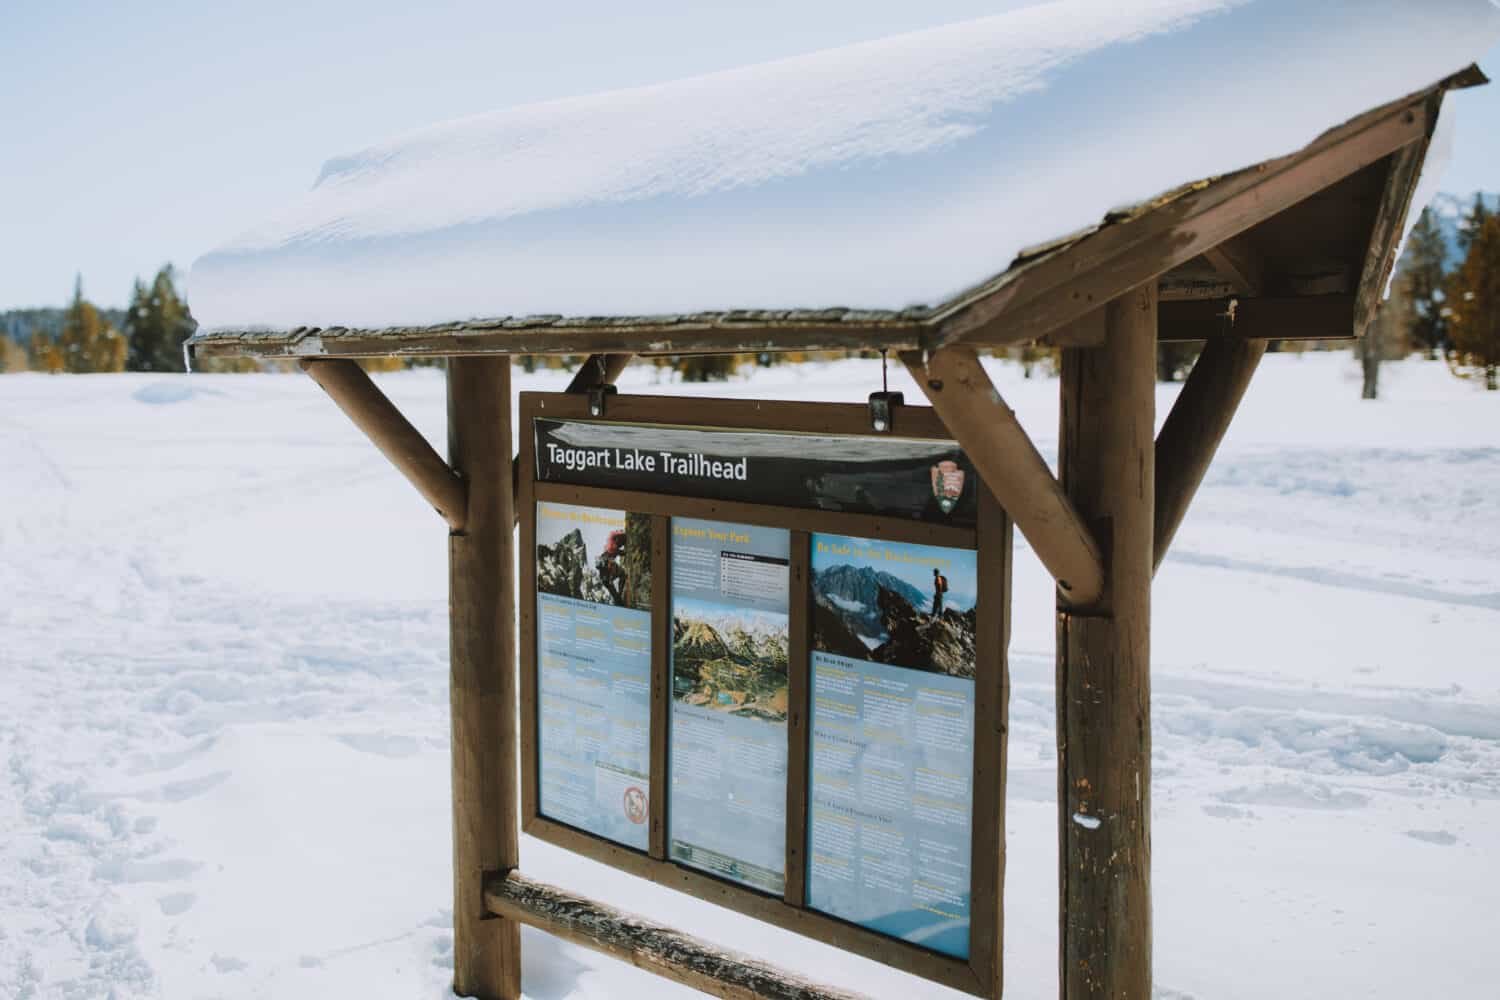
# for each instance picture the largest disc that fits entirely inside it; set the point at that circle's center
(1298, 247)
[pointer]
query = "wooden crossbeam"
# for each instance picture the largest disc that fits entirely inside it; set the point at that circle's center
(987, 430)
(1057, 289)
(362, 402)
(1192, 431)
(653, 947)
(1311, 317)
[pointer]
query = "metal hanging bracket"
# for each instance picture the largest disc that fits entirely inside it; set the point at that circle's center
(883, 403)
(597, 395)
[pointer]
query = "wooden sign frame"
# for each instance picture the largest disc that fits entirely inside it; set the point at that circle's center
(981, 973)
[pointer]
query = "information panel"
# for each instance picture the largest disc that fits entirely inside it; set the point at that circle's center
(751, 665)
(593, 582)
(893, 661)
(726, 811)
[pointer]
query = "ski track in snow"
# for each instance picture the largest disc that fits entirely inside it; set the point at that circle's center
(224, 723)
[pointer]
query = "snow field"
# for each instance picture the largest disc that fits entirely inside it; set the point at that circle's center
(224, 712)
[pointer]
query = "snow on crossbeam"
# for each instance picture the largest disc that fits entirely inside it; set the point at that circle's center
(883, 181)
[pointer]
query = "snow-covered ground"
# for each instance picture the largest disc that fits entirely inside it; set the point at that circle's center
(223, 703)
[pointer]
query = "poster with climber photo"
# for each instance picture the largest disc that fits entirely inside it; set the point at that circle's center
(593, 582)
(891, 763)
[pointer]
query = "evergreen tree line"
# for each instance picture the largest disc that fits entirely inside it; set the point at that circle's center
(1452, 313)
(146, 336)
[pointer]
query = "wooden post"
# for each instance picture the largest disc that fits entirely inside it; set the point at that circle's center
(1107, 465)
(482, 685)
(1192, 431)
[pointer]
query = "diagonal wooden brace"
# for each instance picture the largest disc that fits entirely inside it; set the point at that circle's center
(987, 430)
(1192, 431)
(596, 370)
(362, 402)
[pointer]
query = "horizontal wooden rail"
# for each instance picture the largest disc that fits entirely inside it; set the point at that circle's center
(655, 948)
(997, 444)
(400, 442)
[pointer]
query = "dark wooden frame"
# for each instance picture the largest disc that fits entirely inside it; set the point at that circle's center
(981, 973)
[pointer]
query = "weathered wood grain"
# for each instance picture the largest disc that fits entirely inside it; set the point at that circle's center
(482, 678)
(1312, 317)
(799, 714)
(668, 953)
(991, 743)
(1390, 218)
(1190, 436)
(1107, 464)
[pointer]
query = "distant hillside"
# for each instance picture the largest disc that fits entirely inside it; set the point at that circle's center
(1449, 210)
(19, 324)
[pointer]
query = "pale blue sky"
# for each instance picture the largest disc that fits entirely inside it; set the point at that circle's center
(136, 134)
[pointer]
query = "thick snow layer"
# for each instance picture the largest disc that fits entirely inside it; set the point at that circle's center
(883, 175)
(224, 708)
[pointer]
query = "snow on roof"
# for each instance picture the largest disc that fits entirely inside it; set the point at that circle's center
(881, 176)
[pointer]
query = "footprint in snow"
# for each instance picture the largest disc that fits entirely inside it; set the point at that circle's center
(175, 903)
(1440, 837)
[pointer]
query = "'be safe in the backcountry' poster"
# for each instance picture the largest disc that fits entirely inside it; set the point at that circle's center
(891, 812)
(593, 582)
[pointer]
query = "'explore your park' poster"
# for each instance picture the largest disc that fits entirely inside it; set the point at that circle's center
(726, 812)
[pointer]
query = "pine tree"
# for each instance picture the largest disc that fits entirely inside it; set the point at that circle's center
(1423, 264)
(12, 355)
(156, 324)
(1386, 337)
(44, 353)
(1474, 306)
(87, 342)
(1472, 223)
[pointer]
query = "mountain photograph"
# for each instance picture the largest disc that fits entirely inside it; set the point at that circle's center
(868, 614)
(729, 662)
(616, 572)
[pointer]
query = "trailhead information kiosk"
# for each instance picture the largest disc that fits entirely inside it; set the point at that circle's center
(755, 665)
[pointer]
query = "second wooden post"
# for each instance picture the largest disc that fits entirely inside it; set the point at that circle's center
(1107, 467)
(482, 679)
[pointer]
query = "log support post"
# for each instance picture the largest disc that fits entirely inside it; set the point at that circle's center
(1107, 464)
(482, 679)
